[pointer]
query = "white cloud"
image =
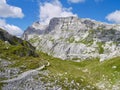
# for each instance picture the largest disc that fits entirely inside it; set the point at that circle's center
(114, 16)
(76, 1)
(12, 29)
(52, 9)
(9, 11)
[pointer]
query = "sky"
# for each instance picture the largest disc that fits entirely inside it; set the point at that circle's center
(17, 15)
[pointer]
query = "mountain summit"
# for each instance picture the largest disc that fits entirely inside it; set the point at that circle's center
(75, 38)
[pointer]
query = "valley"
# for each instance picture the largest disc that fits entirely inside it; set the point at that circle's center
(59, 60)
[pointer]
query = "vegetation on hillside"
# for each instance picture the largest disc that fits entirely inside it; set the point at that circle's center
(88, 74)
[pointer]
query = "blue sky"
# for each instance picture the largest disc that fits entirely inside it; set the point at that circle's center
(17, 15)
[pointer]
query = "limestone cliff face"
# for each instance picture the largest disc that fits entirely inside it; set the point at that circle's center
(76, 39)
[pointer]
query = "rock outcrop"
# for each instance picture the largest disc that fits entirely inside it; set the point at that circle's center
(76, 39)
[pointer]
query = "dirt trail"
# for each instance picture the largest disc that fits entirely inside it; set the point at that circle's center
(25, 74)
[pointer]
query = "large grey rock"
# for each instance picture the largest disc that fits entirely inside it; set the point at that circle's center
(74, 38)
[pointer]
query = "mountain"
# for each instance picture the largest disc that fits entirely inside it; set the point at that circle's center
(21, 69)
(75, 38)
(13, 45)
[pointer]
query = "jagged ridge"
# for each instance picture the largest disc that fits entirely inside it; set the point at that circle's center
(74, 38)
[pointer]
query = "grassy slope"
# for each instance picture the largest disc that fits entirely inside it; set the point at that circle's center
(8, 52)
(84, 74)
(87, 72)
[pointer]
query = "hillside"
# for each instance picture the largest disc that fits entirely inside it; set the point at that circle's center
(13, 45)
(24, 73)
(16, 57)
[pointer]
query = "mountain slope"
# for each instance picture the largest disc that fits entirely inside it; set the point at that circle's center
(49, 73)
(63, 75)
(76, 39)
(16, 57)
(13, 45)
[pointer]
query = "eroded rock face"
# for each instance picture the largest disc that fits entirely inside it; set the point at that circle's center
(74, 38)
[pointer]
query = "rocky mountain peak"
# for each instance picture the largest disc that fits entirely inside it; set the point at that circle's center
(38, 26)
(77, 38)
(75, 23)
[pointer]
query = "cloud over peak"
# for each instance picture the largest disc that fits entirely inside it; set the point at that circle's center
(114, 17)
(52, 9)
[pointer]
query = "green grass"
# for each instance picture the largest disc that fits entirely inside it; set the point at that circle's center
(18, 55)
(91, 71)
(100, 47)
(85, 73)
(34, 39)
(70, 39)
